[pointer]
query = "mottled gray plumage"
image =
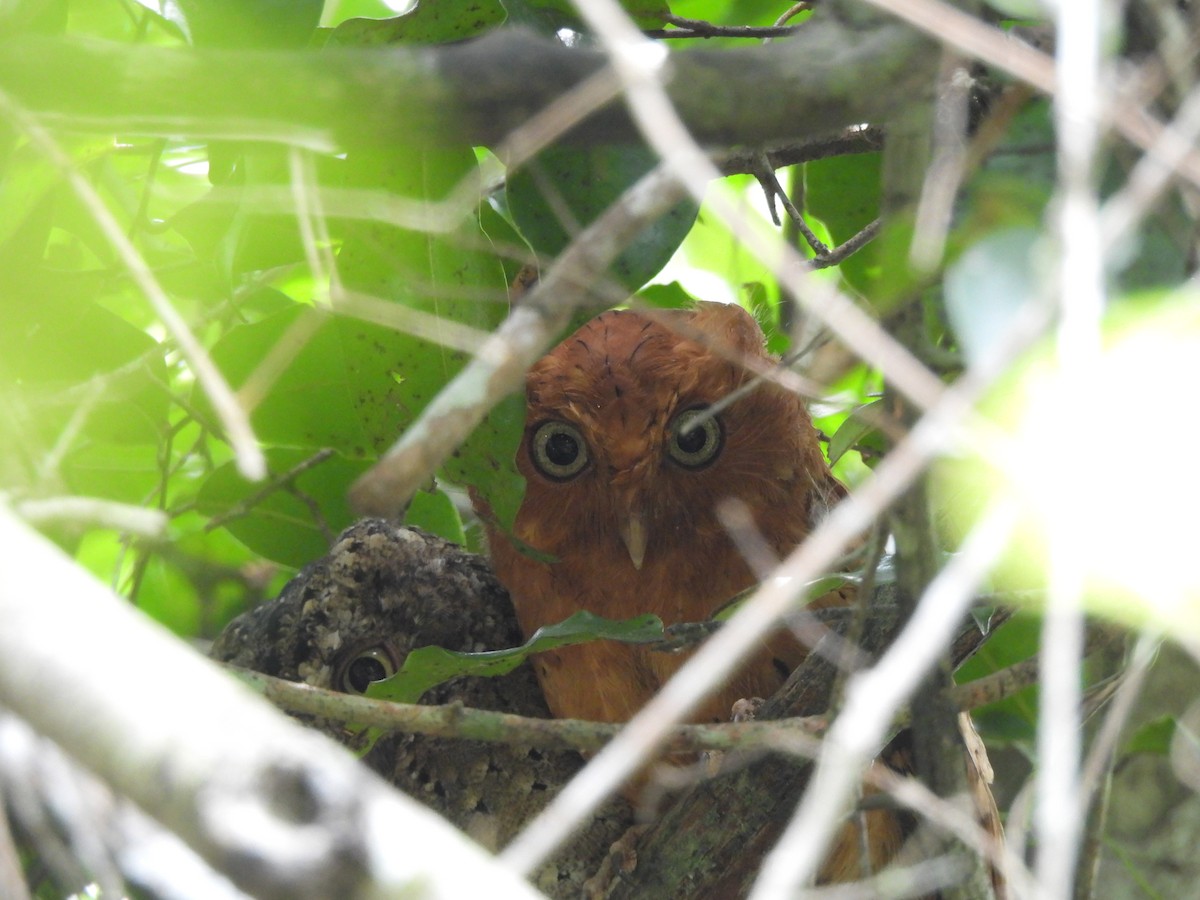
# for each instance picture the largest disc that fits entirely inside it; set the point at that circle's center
(382, 591)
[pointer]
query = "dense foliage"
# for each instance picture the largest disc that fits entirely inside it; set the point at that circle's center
(337, 285)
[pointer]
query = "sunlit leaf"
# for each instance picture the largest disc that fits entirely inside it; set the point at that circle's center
(246, 23)
(337, 385)
(430, 22)
(291, 523)
(1076, 468)
(435, 512)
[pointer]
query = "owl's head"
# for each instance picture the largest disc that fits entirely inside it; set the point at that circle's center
(639, 424)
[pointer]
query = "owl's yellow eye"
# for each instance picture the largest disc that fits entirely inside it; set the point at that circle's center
(695, 438)
(559, 450)
(371, 665)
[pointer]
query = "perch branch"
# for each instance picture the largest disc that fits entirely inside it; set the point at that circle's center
(456, 721)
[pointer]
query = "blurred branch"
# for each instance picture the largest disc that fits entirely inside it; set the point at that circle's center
(287, 814)
(989, 44)
(95, 512)
(827, 78)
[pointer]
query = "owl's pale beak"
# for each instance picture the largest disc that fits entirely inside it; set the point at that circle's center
(633, 535)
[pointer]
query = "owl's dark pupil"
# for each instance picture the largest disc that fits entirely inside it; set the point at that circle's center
(364, 672)
(691, 439)
(562, 449)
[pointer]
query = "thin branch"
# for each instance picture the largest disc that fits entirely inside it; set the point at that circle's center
(278, 483)
(698, 28)
(872, 699)
(1080, 295)
(457, 721)
(475, 91)
(1162, 161)
(1004, 683)
(87, 512)
(837, 255)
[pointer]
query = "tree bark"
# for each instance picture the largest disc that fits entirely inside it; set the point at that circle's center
(832, 75)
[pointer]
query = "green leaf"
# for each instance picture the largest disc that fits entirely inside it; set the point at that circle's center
(451, 276)
(339, 388)
(1034, 10)
(487, 460)
(246, 23)
(666, 296)
(427, 667)
(71, 360)
(565, 189)
(435, 512)
(430, 22)
(856, 431)
(1153, 737)
(281, 524)
(114, 471)
(557, 13)
(31, 178)
(844, 192)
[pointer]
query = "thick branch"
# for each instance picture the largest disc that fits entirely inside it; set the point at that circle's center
(828, 78)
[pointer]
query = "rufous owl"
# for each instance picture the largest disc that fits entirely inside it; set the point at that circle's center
(638, 427)
(627, 456)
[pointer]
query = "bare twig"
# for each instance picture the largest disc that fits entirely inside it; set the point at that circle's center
(836, 255)
(1154, 171)
(1080, 295)
(279, 482)
(698, 28)
(93, 511)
